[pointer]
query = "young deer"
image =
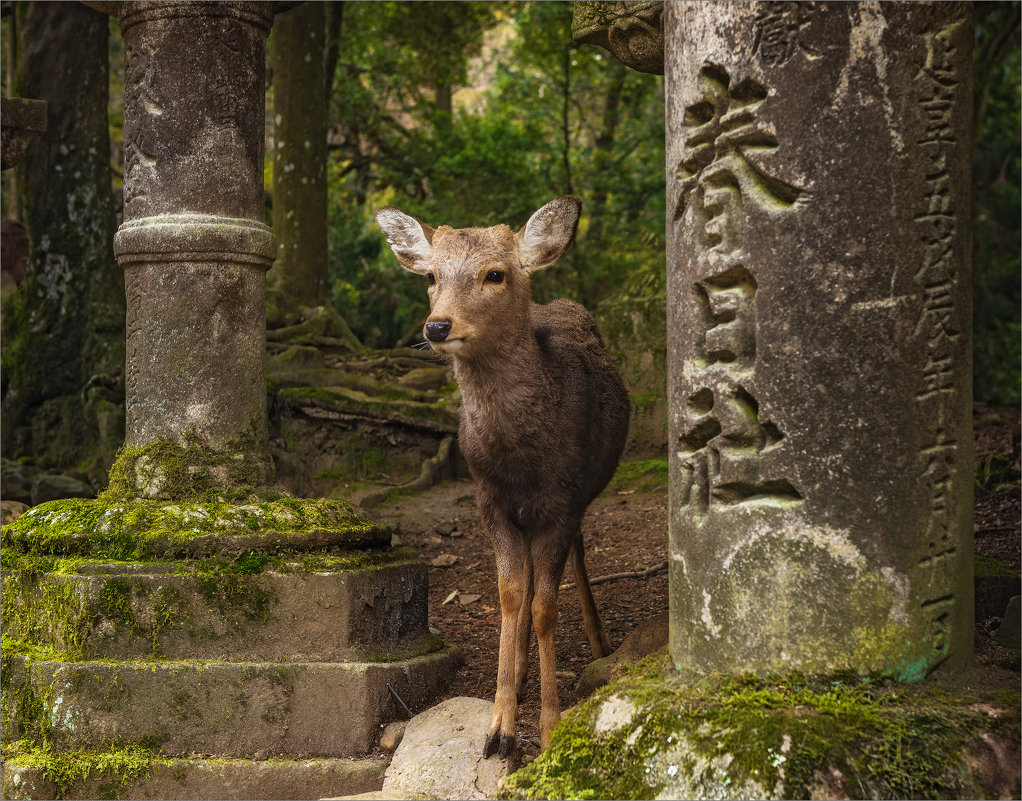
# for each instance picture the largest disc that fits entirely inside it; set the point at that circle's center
(544, 416)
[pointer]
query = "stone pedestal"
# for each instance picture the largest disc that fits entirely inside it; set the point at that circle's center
(819, 336)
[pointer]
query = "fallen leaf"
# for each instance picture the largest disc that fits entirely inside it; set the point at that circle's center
(445, 560)
(464, 599)
(450, 597)
(626, 492)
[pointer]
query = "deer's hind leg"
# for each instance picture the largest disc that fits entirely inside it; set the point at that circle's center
(548, 557)
(523, 629)
(599, 642)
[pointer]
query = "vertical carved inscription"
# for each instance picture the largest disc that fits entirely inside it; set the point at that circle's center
(780, 31)
(936, 276)
(142, 107)
(723, 437)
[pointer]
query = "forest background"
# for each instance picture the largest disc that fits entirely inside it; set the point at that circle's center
(467, 113)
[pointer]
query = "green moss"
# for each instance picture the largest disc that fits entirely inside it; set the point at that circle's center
(148, 529)
(645, 475)
(191, 470)
(986, 567)
(734, 737)
(111, 770)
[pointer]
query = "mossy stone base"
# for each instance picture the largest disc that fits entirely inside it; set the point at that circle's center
(151, 529)
(226, 708)
(358, 606)
(136, 773)
(650, 735)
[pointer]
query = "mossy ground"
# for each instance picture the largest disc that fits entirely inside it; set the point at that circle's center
(640, 475)
(735, 737)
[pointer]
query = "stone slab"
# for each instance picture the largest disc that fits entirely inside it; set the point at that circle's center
(441, 754)
(234, 709)
(161, 610)
(209, 779)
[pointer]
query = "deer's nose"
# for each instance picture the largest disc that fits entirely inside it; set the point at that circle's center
(437, 331)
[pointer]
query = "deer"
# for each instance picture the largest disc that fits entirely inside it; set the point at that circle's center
(543, 421)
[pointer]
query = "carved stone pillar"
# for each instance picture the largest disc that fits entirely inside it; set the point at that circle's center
(193, 245)
(819, 336)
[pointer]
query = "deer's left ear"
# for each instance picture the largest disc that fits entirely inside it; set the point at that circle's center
(547, 234)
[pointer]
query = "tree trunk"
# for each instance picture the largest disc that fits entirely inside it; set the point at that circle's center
(299, 155)
(64, 328)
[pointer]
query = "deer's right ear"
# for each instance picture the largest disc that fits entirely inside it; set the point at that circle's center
(409, 238)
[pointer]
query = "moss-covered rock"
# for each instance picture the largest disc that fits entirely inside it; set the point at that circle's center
(146, 530)
(650, 735)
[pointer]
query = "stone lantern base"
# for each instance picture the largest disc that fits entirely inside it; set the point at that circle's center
(207, 649)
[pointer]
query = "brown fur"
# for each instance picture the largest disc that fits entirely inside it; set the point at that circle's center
(544, 416)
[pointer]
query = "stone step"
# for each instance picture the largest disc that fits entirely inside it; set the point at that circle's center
(299, 608)
(225, 779)
(231, 709)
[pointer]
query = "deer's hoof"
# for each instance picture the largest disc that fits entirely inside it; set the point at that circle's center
(507, 745)
(500, 744)
(490, 746)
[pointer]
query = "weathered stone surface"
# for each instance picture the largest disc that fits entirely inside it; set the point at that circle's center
(630, 29)
(819, 336)
(21, 121)
(655, 734)
(294, 609)
(193, 245)
(226, 779)
(11, 511)
(441, 754)
(233, 708)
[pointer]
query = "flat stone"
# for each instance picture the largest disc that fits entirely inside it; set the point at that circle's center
(225, 779)
(441, 754)
(11, 511)
(292, 610)
(234, 708)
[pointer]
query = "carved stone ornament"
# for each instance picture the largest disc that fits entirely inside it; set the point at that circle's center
(22, 121)
(632, 30)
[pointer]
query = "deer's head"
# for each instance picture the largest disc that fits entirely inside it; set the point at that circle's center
(479, 277)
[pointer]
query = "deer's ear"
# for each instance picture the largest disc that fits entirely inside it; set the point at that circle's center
(547, 234)
(409, 238)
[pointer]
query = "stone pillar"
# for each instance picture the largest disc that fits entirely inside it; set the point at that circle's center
(819, 344)
(193, 245)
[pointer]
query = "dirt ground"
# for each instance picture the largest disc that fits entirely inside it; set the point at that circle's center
(625, 531)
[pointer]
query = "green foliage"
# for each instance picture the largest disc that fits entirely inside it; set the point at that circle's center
(997, 327)
(421, 125)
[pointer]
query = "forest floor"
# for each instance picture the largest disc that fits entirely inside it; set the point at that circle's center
(625, 531)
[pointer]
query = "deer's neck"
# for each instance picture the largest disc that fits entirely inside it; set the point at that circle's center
(503, 394)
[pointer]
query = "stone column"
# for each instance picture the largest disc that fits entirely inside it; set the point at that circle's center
(819, 336)
(193, 245)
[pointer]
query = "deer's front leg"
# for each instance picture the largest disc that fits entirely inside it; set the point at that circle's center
(548, 558)
(512, 560)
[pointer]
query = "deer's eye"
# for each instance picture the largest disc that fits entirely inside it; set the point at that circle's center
(431, 278)
(494, 277)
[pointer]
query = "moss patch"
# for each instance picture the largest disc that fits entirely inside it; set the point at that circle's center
(145, 530)
(111, 770)
(192, 471)
(741, 737)
(642, 475)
